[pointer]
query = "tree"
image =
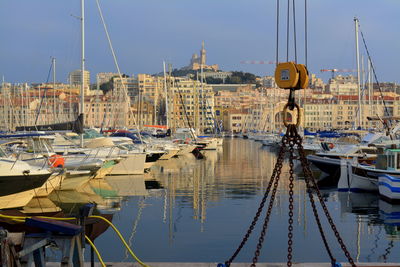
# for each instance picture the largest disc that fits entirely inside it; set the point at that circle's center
(211, 80)
(108, 86)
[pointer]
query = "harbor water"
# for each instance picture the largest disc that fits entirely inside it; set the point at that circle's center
(198, 210)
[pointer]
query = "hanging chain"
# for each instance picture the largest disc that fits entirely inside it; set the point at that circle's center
(289, 141)
(276, 173)
(307, 174)
(310, 177)
(291, 185)
(278, 167)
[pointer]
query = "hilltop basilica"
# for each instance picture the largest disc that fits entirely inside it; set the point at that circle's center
(197, 62)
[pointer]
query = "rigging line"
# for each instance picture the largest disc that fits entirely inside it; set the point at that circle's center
(183, 104)
(128, 103)
(287, 30)
(373, 70)
(277, 33)
(294, 32)
(305, 33)
(44, 93)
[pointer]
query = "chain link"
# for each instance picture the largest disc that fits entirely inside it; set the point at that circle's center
(291, 186)
(310, 177)
(279, 164)
(307, 174)
(289, 141)
(275, 173)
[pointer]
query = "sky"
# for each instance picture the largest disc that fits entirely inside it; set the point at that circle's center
(145, 33)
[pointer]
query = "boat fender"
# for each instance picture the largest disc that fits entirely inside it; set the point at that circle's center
(56, 161)
(336, 264)
(221, 265)
(325, 146)
(331, 145)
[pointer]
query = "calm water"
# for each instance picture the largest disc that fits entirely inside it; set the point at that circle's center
(205, 207)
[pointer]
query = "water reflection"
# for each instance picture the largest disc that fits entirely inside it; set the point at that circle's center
(189, 209)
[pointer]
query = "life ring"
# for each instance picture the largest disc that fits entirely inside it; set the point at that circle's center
(56, 161)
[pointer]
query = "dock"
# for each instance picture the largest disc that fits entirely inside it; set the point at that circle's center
(214, 264)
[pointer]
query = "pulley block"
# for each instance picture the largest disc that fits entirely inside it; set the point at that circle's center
(289, 75)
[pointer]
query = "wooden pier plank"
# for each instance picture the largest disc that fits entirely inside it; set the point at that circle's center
(213, 264)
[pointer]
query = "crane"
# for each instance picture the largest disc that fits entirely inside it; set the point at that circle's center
(337, 70)
(257, 62)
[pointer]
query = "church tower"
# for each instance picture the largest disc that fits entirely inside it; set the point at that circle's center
(202, 54)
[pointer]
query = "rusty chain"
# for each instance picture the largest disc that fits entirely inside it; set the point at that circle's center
(275, 173)
(289, 141)
(309, 175)
(279, 165)
(291, 185)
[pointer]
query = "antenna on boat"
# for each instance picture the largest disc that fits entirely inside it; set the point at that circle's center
(166, 94)
(358, 74)
(82, 104)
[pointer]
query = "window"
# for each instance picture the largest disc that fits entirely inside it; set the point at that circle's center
(398, 161)
(390, 161)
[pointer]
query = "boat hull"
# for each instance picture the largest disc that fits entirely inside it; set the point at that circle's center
(358, 178)
(389, 188)
(20, 183)
(131, 164)
(170, 154)
(186, 150)
(329, 166)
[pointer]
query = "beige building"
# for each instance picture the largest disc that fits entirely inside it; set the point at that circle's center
(234, 120)
(75, 77)
(151, 86)
(190, 104)
(20, 105)
(104, 77)
(75, 80)
(341, 112)
(129, 85)
(343, 85)
(106, 113)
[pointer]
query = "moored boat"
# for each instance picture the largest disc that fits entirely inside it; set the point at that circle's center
(389, 188)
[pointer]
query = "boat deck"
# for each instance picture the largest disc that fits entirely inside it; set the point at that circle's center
(213, 264)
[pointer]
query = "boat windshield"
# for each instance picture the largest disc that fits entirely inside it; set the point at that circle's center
(2, 153)
(129, 147)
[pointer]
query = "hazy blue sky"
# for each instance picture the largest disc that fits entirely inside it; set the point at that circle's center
(144, 33)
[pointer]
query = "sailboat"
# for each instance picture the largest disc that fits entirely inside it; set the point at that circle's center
(74, 125)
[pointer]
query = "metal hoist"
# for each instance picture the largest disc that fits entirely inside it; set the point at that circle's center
(291, 76)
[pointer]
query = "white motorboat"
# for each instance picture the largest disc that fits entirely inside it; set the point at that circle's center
(18, 176)
(359, 177)
(329, 161)
(208, 143)
(22, 198)
(389, 188)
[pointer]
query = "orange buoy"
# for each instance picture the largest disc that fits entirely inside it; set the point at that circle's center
(56, 161)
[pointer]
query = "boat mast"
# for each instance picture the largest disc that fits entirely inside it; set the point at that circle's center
(358, 73)
(155, 104)
(82, 104)
(53, 59)
(370, 96)
(203, 117)
(166, 95)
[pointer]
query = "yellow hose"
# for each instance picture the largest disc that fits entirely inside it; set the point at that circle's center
(22, 218)
(29, 217)
(122, 239)
(95, 250)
